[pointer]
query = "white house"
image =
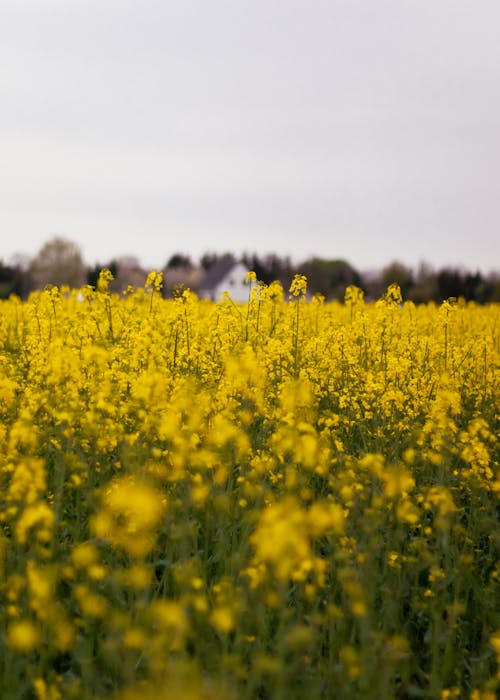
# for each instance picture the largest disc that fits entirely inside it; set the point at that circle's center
(225, 275)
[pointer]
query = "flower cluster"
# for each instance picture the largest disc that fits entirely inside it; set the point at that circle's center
(214, 500)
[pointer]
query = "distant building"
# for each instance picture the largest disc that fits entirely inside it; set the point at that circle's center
(225, 275)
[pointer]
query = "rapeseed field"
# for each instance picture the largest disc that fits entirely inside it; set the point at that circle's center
(282, 499)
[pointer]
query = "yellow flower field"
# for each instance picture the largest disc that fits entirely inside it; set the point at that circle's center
(282, 499)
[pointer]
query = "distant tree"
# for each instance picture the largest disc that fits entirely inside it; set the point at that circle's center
(254, 263)
(178, 260)
(397, 272)
(278, 268)
(92, 274)
(473, 286)
(477, 288)
(493, 285)
(424, 288)
(129, 273)
(329, 277)
(58, 262)
(450, 283)
(181, 276)
(209, 259)
(12, 280)
(270, 268)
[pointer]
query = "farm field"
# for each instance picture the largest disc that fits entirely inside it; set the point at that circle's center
(282, 499)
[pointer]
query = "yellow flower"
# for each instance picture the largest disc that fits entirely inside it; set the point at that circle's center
(138, 577)
(23, 636)
(38, 516)
(325, 517)
(407, 512)
(222, 618)
(105, 277)
(85, 554)
(397, 482)
(298, 286)
(350, 659)
(91, 604)
(281, 538)
(46, 691)
(130, 512)
(353, 295)
(495, 642)
(393, 294)
(155, 280)
(134, 638)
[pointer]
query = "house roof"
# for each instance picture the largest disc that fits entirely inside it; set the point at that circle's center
(217, 272)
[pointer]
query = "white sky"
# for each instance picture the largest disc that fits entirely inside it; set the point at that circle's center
(360, 129)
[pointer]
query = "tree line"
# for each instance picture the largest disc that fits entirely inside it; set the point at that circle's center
(60, 262)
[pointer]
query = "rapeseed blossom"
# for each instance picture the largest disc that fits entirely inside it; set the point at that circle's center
(284, 498)
(23, 636)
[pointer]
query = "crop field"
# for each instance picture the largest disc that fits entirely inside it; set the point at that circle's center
(284, 499)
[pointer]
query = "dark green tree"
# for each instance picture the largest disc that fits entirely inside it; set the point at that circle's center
(329, 277)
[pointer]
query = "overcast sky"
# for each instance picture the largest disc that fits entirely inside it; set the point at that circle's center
(360, 129)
